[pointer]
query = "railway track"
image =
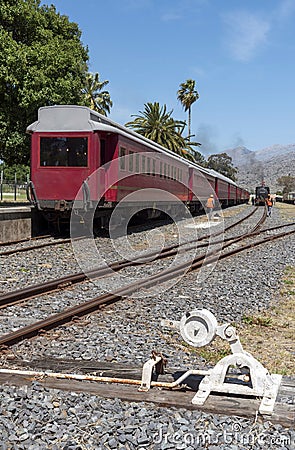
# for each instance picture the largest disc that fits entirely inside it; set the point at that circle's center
(65, 240)
(20, 241)
(29, 292)
(34, 247)
(168, 274)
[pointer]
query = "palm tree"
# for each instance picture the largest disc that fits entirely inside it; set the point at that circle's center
(156, 123)
(94, 98)
(187, 95)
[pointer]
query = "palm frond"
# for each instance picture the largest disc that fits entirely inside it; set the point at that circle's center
(95, 98)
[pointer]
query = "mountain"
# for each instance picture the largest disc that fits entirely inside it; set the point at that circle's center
(274, 151)
(240, 155)
(267, 164)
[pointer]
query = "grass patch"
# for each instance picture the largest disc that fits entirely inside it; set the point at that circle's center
(267, 335)
(214, 352)
(263, 321)
(287, 211)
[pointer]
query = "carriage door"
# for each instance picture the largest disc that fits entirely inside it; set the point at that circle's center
(102, 159)
(190, 186)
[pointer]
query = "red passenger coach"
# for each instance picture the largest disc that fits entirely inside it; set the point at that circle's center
(58, 158)
(83, 160)
(64, 152)
(232, 196)
(223, 187)
(201, 184)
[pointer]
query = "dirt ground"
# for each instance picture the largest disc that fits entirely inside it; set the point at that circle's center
(268, 335)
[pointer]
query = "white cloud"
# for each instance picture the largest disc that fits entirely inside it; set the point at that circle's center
(180, 9)
(246, 33)
(286, 9)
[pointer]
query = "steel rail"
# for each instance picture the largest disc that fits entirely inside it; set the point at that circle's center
(19, 241)
(35, 247)
(66, 241)
(107, 299)
(15, 297)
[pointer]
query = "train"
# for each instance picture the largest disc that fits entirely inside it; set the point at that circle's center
(289, 198)
(261, 193)
(84, 163)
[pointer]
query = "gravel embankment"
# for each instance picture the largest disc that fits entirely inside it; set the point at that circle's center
(36, 418)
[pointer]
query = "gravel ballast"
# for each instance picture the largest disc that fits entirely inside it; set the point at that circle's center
(35, 417)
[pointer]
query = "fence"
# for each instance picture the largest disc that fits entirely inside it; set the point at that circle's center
(13, 192)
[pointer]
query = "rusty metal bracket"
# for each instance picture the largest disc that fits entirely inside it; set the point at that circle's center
(156, 361)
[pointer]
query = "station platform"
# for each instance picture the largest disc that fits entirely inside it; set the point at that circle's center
(15, 222)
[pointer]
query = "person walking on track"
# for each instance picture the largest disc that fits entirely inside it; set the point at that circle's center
(210, 206)
(269, 204)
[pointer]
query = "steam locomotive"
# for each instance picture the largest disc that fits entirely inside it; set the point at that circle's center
(261, 193)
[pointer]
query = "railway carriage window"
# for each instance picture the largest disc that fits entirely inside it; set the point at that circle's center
(178, 171)
(180, 175)
(143, 164)
(148, 165)
(168, 171)
(130, 161)
(174, 174)
(154, 168)
(161, 165)
(165, 170)
(137, 162)
(122, 152)
(63, 151)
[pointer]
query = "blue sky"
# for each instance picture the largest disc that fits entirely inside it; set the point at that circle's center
(241, 54)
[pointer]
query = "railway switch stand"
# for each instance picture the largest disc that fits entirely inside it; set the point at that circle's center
(239, 373)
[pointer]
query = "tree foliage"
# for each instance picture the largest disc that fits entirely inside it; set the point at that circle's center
(222, 163)
(95, 98)
(287, 182)
(187, 95)
(18, 171)
(157, 124)
(199, 159)
(42, 62)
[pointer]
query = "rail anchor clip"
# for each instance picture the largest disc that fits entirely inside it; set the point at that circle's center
(239, 373)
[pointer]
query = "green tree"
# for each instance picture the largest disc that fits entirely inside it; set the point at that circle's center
(287, 182)
(157, 124)
(199, 158)
(187, 95)
(222, 163)
(42, 62)
(20, 171)
(95, 98)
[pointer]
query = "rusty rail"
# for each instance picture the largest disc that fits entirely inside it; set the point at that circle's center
(19, 241)
(36, 247)
(106, 299)
(15, 297)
